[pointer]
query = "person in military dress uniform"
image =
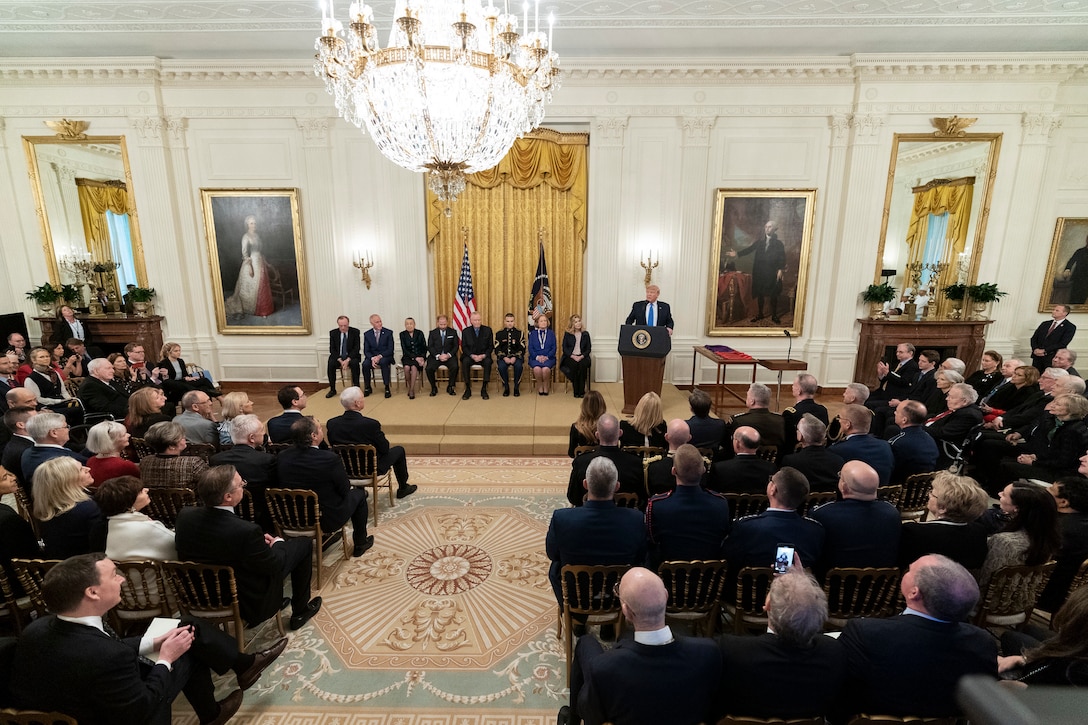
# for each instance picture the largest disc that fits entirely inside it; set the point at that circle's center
(804, 392)
(509, 350)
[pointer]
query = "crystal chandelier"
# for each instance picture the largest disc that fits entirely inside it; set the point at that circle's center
(452, 90)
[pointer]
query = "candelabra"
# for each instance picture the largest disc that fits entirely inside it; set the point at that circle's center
(363, 262)
(649, 265)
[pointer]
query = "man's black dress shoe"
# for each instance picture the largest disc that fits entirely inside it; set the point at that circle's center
(434, 392)
(483, 394)
(300, 618)
(451, 391)
(517, 393)
(388, 394)
(331, 393)
(506, 392)
(364, 546)
(261, 660)
(467, 395)
(406, 490)
(367, 391)
(563, 718)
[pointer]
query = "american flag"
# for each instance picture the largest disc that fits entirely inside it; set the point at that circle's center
(464, 302)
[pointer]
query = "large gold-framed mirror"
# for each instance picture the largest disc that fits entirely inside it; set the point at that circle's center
(82, 188)
(936, 207)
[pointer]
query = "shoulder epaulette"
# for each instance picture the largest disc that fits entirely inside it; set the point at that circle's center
(652, 459)
(790, 409)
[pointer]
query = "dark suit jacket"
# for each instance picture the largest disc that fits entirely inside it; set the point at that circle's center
(858, 534)
(820, 466)
(915, 451)
(897, 383)
(35, 456)
(767, 423)
(473, 343)
(353, 428)
(743, 474)
(659, 476)
(877, 453)
(687, 524)
(1061, 337)
(706, 432)
(353, 343)
(755, 538)
(636, 683)
(963, 543)
(78, 530)
(628, 466)
(637, 315)
(1009, 396)
(279, 428)
(383, 346)
(259, 471)
(4, 390)
(1026, 412)
(909, 665)
(209, 535)
(598, 533)
(923, 387)
(955, 426)
(1073, 551)
(755, 668)
(322, 472)
(99, 397)
(435, 346)
(12, 459)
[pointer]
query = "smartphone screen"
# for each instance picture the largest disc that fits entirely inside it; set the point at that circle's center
(783, 558)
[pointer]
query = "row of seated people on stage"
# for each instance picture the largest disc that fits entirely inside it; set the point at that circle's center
(373, 351)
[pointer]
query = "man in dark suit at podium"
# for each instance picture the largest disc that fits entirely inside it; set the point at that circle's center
(650, 311)
(344, 353)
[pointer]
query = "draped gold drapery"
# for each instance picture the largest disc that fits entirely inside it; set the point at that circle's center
(95, 199)
(541, 183)
(938, 197)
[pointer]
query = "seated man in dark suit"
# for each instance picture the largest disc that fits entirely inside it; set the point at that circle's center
(293, 401)
(596, 533)
(306, 465)
(910, 664)
(659, 475)
(15, 420)
(1052, 382)
(804, 389)
(1064, 360)
(755, 539)
(914, 450)
(861, 531)
(793, 650)
(98, 393)
(377, 354)
(257, 468)
(344, 353)
(73, 662)
(894, 382)
(477, 342)
(213, 534)
(628, 465)
(819, 465)
(353, 428)
(442, 343)
(758, 416)
(684, 670)
(1071, 494)
(923, 389)
(950, 428)
(858, 445)
(745, 472)
(689, 523)
(50, 434)
(706, 432)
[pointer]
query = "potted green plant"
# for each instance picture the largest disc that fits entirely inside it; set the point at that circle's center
(981, 295)
(70, 293)
(141, 297)
(46, 297)
(955, 294)
(877, 295)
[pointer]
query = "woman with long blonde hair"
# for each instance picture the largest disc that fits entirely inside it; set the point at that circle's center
(575, 362)
(68, 519)
(234, 405)
(647, 426)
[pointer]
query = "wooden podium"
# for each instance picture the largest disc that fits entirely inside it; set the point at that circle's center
(643, 350)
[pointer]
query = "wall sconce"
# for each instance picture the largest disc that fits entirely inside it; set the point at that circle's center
(649, 264)
(363, 262)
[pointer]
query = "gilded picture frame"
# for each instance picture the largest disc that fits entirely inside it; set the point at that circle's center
(258, 262)
(757, 285)
(1066, 281)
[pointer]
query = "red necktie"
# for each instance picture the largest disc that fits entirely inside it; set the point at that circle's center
(1053, 325)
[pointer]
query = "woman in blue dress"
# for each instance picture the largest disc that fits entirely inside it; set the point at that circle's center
(542, 354)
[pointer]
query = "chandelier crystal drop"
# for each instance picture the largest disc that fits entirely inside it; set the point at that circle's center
(454, 87)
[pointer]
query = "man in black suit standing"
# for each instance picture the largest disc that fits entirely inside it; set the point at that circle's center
(650, 311)
(293, 401)
(257, 468)
(305, 465)
(377, 354)
(213, 534)
(72, 661)
(354, 428)
(628, 465)
(927, 649)
(1051, 336)
(343, 353)
(768, 268)
(442, 350)
(477, 342)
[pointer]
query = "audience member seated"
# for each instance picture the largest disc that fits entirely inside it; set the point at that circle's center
(793, 650)
(745, 472)
(50, 434)
(804, 390)
(17, 345)
(954, 364)
(17, 539)
(8, 383)
(706, 432)
(988, 376)
(305, 465)
(542, 351)
(628, 465)
(1071, 495)
(858, 445)
(860, 531)
(145, 410)
(952, 529)
(377, 354)
(1005, 388)
(647, 426)
(132, 534)
(583, 432)
(685, 671)
(819, 465)
(758, 416)
(196, 418)
(598, 532)
(47, 384)
(510, 353)
(354, 428)
(853, 394)
(659, 475)
(125, 378)
(1034, 405)
(944, 379)
(293, 401)
(1052, 446)
(178, 381)
(68, 520)
(234, 404)
(914, 450)
(1060, 660)
(108, 440)
(137, 362)
(1032, 535)
(345, 353)
(256, 467)
(212, 533)
(167, 467)
(107, 679)
(442, 344)
(1064, 359)
(15, 420)
(99, 395)
(575, 363)
(688, 523)
(755, 539)
(911, 664)
(951, 428)
(923, 389)
(893, 382)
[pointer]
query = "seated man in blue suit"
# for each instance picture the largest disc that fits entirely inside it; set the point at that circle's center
(858, 445)
(50, 434)
(377, 354)
(914, 449)
(613, 686)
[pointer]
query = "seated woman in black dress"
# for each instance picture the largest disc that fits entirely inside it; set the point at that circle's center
(575, 362)
(413, 347)
(68, 518)
(583, 432)
(1022, 385)
(952, 529)
(145, 410)
(1060, 660)
(988, 375)
(647, 426)
(178, 380)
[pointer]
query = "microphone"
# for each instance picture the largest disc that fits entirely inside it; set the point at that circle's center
(789, 350)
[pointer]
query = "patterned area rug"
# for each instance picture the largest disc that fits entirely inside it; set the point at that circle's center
(448, 619)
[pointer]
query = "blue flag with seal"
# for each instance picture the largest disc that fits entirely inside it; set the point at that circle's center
(540, 299)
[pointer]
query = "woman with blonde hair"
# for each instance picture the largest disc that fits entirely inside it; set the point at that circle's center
(952, 527)
(145, 410)
(647, 426)
(107, 440)
(178, 381)
(234, 405)
(583, 432)
(575, 362)
(68, 519)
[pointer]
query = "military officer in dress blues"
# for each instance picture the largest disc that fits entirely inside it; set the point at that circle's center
(755, 539)
(688, 523)
(509, 350)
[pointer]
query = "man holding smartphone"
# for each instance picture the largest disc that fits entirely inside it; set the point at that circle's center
(755, 539)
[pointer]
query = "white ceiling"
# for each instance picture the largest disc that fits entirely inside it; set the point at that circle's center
(593, 30)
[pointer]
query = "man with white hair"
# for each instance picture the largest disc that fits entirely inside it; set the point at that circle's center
(98, 393)
(1052, 383)
(50, 433)
(955, 365)
(659, 475)
(804, 389)
(257, 467)
(614, 686)
(354, 428)
(758, 416)
(853, 394)
(818, 464)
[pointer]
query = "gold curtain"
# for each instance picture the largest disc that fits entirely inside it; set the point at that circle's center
(95, 199)
(541, 183)
(938, 197)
